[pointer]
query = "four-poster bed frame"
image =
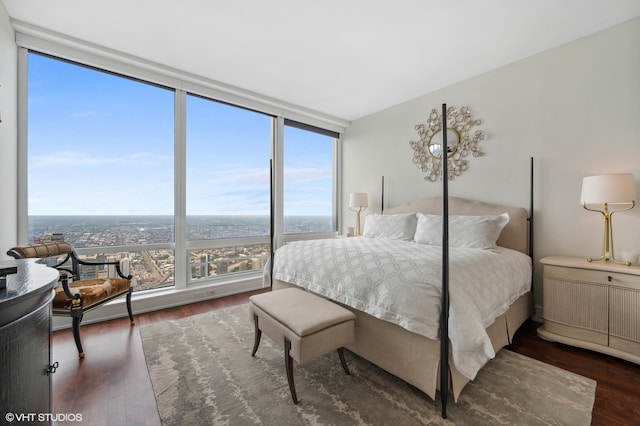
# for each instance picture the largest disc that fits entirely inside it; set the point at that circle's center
(444, 321)
(420, 361)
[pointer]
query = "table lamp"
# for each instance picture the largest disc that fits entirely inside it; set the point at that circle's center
(358, 202)
(615, 191)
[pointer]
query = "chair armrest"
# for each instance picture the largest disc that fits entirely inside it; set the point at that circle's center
(116, 264)
(64, 280)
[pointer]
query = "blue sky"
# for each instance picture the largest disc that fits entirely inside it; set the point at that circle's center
(107, 141)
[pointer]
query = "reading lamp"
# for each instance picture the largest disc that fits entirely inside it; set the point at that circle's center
(358, 202)
(616, 191)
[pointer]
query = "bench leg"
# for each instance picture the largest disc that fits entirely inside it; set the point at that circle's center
(257, 335)
(343, 361)
(288, 364)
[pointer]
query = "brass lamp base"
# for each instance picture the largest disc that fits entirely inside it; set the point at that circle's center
(358, 211)
(607, 254)
(608, 259)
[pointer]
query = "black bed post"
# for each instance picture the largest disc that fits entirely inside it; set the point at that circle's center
(382, 197)
(271, 225)
(531, 222)
(444, 322)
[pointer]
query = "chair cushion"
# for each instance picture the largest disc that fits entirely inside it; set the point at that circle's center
(92, 292)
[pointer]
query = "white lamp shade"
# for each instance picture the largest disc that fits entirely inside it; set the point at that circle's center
(611, 189)
(358, 199)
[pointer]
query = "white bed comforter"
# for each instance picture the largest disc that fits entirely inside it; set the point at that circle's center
(400, 282)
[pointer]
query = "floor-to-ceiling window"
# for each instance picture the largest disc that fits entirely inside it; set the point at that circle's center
(175, 183)
(227, 188)
(100, 166)
(309, 204)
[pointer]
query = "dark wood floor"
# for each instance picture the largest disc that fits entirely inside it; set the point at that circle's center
(111, 386)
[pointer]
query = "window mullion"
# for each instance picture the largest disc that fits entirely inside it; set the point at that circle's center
(278, 181)
(180, 166)
(337, 183)
(23, 177)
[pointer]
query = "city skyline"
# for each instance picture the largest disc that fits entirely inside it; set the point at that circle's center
(131, 230)
(154, 268)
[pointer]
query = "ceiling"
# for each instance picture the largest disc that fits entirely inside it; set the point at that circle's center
(343, 58)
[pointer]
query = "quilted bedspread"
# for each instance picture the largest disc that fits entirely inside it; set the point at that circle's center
(401, 282)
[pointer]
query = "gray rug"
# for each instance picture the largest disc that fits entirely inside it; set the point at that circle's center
(203, 374)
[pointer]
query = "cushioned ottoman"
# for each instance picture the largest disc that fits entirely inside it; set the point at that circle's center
(303, 324)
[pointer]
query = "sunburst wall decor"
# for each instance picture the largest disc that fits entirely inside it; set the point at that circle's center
(427, 151)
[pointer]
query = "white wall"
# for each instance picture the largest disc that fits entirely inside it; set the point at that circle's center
(575, 109)
(8, 134)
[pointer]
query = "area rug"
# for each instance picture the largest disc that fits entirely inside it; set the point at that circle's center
(203, 373)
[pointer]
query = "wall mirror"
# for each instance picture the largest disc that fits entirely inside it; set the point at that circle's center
(435, 143)
(462, 142)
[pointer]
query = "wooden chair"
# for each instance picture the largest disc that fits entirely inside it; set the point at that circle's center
(75, 296)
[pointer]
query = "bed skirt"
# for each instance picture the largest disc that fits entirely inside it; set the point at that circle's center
(416, 359)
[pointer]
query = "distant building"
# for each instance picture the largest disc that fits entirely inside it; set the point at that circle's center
(49, 237)
(222, 266)
(204, 265)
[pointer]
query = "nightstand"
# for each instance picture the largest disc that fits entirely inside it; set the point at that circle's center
(25, 339)
(592, 305)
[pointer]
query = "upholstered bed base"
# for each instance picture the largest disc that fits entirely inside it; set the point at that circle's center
(414, 358)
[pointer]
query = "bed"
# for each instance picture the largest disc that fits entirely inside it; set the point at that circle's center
(409, 348)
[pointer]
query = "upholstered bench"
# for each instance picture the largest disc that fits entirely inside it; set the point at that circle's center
(304, 324)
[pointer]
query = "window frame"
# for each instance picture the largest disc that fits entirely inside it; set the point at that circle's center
(181, 83)
(334, 176)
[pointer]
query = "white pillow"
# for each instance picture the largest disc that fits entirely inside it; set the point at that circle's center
(480, 232)
(392, 226)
